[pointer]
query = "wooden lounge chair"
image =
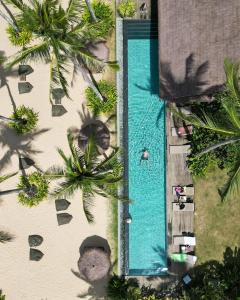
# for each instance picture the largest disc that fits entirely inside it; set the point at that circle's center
(179, 149)
(187, 190)
(182, 131)
(184, 240)
(187, 206)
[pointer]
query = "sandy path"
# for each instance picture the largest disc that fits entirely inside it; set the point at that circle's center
(51, 278)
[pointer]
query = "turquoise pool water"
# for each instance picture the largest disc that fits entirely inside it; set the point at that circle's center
(146, 179)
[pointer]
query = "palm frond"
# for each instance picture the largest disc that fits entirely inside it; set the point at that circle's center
(232, 76)
(77, 156)
(218, 145)
(17, 3)
(206, 122)
(74, 10)
(5, 177)
(57, 68)
(233, 113)
(35, 53)
(90, 153)
(55, 172)
(66, 189)
(232, 188)
(87, 198)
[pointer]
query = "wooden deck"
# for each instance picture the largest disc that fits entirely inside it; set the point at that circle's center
(177, 174)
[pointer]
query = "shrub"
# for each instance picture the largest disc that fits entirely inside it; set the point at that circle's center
(21, 38)
(34, 189)
(127, 8)
(104, 15)
(95, 104)
(29, 117)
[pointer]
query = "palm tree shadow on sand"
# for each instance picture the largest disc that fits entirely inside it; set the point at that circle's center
(192, 85)
(17, 144)
(4, 74)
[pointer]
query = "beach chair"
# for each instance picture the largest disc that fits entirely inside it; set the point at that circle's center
(184, 240)
(179, 149)
(187, 190)
(182, 131)
(184, 258)
(186, 110)
(187, 206)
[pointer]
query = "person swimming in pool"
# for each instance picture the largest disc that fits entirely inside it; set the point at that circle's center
(145, 154)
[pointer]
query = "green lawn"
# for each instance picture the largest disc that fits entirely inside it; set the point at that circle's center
(217, 224)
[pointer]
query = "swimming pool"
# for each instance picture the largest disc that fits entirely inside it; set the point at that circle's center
(146, 178)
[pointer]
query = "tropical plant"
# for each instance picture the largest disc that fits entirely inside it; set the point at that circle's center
(104, 14)
(59, 37)
(127, 8)
(120, 288)
(2, 297)
(226, 124)
(85, 171)
(23, 120)
(32, 189)
(109, 93)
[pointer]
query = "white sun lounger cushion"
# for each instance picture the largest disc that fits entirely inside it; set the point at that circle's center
(187, 190)
(184, 240)
(191, 259)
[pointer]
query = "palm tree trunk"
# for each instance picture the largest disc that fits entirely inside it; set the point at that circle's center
(12, 21)
(10, 191)
(18, 121)
(91, 10)
(220, 144)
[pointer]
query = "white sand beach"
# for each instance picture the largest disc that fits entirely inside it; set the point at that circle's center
(51, 278)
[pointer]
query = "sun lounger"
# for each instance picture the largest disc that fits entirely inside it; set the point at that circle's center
(187, 206)
(182, 131)
(179, 149)
(184, 240)
(187, 190)
(184, 258)
(186, 110)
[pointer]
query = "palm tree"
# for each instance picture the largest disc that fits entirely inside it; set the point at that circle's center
(228, 125)
(58, 38)
(84, 171)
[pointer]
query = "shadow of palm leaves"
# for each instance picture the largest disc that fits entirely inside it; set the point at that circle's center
(193, 84)
(16, 144)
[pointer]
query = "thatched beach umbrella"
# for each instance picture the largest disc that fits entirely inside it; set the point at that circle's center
(94, 264)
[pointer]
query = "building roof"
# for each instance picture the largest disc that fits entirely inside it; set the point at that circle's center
(195, 36)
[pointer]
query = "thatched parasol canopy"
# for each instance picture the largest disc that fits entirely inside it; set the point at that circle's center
(99, 131)
(94, 264)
